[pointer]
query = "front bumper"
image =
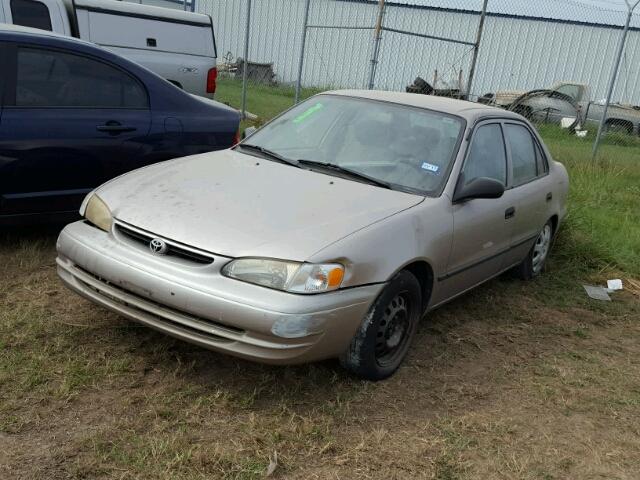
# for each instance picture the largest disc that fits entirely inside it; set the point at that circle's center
(195, 303)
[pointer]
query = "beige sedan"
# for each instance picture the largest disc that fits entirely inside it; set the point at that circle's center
(329, 232)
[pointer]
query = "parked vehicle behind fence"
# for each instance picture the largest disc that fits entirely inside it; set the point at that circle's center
(326, 233)
(568, 100)
(73, 115)
(179, 46)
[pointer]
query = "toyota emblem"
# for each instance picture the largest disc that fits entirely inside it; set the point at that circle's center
(158, 246)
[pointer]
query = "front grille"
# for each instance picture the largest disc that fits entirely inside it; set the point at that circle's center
(174, 250)
(165, 319)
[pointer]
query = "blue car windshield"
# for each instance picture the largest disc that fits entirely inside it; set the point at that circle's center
(408, 148)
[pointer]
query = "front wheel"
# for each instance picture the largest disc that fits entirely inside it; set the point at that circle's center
(534, 263)
(383, 339)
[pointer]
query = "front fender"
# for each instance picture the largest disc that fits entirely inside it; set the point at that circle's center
(375, 253)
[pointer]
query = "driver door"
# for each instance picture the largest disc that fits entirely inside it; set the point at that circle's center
(482, 228)
(71, 123)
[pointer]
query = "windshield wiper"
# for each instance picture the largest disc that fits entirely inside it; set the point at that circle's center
(347, 172)
(269, 154)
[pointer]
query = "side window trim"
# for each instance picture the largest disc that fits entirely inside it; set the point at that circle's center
(4, 73)
(537, 146)
(482, 123)
(543, 156)
(18, 46)
(11, 76)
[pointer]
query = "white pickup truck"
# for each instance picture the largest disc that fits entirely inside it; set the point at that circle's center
(567, 99)
(179, 46)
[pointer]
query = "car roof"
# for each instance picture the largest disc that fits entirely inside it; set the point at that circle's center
(470, 111)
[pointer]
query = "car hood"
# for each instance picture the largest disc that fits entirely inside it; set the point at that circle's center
(237, 205)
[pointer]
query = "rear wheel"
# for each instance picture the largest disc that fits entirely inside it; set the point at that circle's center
(618, 126)
(523, 110)
(383, 339)
(533, 264)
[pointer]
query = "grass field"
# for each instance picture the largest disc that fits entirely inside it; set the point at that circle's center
(513, 381)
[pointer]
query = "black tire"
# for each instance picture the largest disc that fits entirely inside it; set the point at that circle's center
(618, 126)
(383, 339)
(533, 264)
(523, 110)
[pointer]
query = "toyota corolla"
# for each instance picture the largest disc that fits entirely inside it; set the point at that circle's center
(329, 232)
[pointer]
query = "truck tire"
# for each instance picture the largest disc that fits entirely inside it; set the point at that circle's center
(618, 125)
(523, 110)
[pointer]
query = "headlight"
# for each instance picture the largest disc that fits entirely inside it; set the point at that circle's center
(98, 213)
(292, 277)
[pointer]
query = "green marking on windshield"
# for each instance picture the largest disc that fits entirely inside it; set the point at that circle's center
(308, 112)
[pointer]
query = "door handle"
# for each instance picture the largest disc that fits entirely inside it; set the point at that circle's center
(115, 127)
(549, 196)
(509, 213)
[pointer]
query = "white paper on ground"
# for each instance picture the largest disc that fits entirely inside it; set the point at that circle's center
(597, 293)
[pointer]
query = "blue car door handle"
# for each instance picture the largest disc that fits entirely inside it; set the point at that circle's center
(115, 127)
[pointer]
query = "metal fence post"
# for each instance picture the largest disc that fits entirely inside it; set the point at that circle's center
(302, 45)
(476, 48)
(246, 61)
(614, 76)
(377, 35)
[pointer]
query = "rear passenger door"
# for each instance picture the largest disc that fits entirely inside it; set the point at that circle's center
(71, 122)
(531, 185)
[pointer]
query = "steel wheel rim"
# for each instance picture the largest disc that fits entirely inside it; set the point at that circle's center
(541, 248)
(393, 330)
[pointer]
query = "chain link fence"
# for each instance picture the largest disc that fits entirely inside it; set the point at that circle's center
(550, 60)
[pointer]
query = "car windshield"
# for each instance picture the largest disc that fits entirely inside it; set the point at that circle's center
(406, 148)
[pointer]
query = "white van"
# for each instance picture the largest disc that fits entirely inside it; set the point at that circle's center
(177, 45)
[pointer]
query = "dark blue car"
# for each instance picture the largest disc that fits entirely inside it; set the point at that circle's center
(73, 116)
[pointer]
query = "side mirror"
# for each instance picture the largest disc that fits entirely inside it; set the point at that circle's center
(481, 187)
(248, 131)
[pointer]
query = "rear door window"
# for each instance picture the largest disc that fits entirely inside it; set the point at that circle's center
(31, 13)
(524, 159)
(48, 78)
(487, 157)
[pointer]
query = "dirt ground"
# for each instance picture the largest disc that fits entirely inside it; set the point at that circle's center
(513, 381)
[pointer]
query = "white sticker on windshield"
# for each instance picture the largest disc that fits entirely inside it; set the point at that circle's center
(430, 167)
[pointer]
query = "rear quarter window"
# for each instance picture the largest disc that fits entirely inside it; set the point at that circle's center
(543, 165)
